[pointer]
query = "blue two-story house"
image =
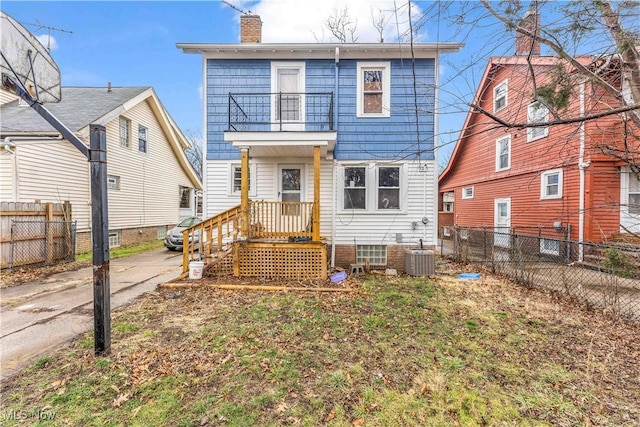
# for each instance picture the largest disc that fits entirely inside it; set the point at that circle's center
(318, 154)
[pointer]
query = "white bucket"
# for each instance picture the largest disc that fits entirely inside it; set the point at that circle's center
(195, 269)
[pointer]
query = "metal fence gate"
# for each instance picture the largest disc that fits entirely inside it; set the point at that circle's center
(42, 242)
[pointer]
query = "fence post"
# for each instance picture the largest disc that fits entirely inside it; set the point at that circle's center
(48, 232)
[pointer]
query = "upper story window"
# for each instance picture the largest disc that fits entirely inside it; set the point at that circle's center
(374, 89)
(500, 96)
(537, 113)
(142, 139)
(125, 132)
(551, 184)
(467, 192)
(503, 153)
(185, 197)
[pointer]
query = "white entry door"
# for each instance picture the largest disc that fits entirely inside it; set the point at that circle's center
(288, 99)
(291, 189)
(502, 223)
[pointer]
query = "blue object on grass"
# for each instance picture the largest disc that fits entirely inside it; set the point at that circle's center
(339, 276)
(469, 275)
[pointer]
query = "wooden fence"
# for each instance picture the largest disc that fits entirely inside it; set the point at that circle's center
(35, 233)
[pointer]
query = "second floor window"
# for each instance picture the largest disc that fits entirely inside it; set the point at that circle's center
(374, 89)
(537, 113)
(503, 153)
(142, 139)
(125, 132)
(467, 192)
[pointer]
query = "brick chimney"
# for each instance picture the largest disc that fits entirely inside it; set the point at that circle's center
(524, 43)
(250, 29)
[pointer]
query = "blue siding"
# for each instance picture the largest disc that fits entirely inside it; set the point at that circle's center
(394, 137)
(223, 77)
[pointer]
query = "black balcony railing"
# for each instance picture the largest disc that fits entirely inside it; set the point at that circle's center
(264, 112)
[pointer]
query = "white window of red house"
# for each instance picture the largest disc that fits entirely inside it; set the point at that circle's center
(500, 96)
(551, 184)
(503, 153)
(467, 192)
(537, 113)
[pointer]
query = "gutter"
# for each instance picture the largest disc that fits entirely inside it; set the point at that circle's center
(335, 163)
(581, 166)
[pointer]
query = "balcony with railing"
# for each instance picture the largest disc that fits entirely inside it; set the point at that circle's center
(283, 111)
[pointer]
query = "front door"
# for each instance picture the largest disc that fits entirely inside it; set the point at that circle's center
(290, 189)
(288, 102)
(502, 223)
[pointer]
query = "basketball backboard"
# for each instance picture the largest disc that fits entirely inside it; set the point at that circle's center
(32, 64)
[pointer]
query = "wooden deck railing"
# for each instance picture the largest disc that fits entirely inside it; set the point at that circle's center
(280, 220)
(267, 220)
(211, 234)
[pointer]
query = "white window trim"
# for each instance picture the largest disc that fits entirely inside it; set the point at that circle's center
(506, 95)
(386, 89)
(401, 186)
(445, 205)
(544, 250)
(543, 184)
(446, 231)
(464, 192)
(530, 131)
(371, 179)
(146, 139)
(127, 121)
(498, 141)
(629, 220)
(191, 197)
(252, 182)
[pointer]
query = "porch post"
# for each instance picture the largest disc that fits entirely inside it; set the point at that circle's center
(316, 193)
(244, 191)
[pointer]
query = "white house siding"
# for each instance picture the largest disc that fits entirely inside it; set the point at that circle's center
(7, 96)
(366, 228)
(149, 182)
(6, 176)
(50, 171)
(376, 228)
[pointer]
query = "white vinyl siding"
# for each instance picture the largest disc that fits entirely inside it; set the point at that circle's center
(373, 227)
(149, 181)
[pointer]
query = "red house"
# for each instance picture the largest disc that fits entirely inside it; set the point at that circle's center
(511, 171)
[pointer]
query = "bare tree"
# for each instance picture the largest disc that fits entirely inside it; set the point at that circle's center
(342, 26)
(194, 152)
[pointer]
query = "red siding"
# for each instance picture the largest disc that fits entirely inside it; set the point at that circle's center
(474, 162)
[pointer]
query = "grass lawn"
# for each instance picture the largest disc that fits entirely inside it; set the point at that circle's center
(399, 351)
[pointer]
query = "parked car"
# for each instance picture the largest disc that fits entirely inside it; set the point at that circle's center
(173, 240)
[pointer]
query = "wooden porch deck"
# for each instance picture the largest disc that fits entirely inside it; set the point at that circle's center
(267, 239)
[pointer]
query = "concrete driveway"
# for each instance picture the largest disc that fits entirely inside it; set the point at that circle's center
(38, 317)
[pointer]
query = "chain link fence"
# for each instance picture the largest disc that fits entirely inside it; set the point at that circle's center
(42, 242)
(603, 276)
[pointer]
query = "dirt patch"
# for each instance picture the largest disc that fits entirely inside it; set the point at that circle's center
(18, 276)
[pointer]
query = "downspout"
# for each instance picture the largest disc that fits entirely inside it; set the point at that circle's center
(581, 166)
(335, 164)
(436, 135)
(12, 148)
